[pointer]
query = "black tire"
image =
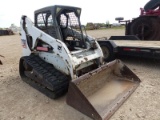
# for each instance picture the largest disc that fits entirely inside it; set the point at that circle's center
(107, 52)
(151, 5)
(145, 28)
(156, 24)
(127, 29)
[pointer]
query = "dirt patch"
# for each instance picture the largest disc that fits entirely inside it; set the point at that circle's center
(105, 33)
(19, 101)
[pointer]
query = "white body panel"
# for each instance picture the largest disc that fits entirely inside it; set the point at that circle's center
(62, 59)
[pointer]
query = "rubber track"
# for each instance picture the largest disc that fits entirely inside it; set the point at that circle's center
(55, 78)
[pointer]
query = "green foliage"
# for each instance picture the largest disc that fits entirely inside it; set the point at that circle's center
(91, 26)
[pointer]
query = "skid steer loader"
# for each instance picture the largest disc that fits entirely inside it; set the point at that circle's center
(58, 57)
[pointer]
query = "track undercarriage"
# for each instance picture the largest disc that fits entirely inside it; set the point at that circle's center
(43, 76)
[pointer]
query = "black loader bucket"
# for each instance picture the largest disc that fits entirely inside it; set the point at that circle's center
(100, 93)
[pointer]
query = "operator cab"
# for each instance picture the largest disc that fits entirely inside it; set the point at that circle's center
(63, 23)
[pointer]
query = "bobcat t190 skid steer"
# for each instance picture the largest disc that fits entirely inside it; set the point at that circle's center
(58, 57)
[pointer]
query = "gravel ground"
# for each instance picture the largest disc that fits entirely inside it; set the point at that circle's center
(19, 101)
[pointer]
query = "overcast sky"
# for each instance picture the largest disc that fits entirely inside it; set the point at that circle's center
(96, 11)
